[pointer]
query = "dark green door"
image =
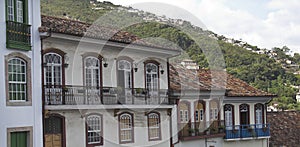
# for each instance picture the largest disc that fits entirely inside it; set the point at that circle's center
(18, 139)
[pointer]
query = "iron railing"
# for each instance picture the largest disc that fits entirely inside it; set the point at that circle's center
(201, 128)
(247, 131)
(84, 95)
(18, 35)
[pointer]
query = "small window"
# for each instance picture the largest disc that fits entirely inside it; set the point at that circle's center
(126, 128)
(154, 126)
(197, 115)
(181, 116)
(94, 130)
(19, 137)
(16, 11)
(201, 115)
(216, 114)
(186, 116)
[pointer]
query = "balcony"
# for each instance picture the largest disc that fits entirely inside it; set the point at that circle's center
(18, 35)
(198, 130)
(247, 131)
(82, 95)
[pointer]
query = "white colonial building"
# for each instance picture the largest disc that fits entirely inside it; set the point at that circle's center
(217, 110)
(103, 87)
(20, 70)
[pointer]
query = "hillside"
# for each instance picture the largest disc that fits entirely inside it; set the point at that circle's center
(241, 59)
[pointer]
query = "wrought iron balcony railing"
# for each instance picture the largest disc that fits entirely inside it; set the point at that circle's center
(84, 95)
(18, 35)
(202, 128)
(247, 131)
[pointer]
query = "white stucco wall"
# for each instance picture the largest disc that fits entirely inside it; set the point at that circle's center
(22, 116)
(75, 128)
(75, 50)
(247, 143)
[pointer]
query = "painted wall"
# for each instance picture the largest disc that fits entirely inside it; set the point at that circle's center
(75, 50)
(22, 116)
(75, 128)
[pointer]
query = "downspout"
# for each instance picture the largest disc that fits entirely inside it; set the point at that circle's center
(42, 37)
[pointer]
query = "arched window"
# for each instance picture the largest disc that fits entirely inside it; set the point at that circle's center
(94, 131)
(199, 111)
(259, 115)
(126, 128)
(152, 78)
(17, 80)
(125, 80)
(53, 69)
(229, 116)
(92, 72)
(244, 114)
(154, 131)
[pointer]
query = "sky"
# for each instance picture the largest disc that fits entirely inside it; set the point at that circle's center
(262, 23)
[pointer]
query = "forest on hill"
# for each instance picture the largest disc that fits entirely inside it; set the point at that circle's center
(259, 70)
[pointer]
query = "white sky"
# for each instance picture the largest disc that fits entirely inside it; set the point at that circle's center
(265, 23)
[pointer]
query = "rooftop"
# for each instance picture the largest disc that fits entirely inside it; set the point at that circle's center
(203, 79)
(95, 31)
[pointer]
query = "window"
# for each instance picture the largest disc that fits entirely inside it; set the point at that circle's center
(126, 128)
(94, 130)
(244, 114)
(152, 79)
(125, 80)
(259, 115)
(197, 115)
(229, 116)
(186, 116)
(92, 72)
(53, 69)
(201, 114)
(19, 137)
(17, 80)
(216, 114)
(154, 126)
(17, 28)
(181, 116)
(17, 10)
(18, 85)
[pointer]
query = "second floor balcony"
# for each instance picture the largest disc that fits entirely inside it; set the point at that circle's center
(247, 131)
(18, 35)
(83, 95)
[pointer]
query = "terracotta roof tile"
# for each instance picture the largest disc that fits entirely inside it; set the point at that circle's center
(82, 29)
(186, 79)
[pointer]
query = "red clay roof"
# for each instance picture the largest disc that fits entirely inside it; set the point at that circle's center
(82, 29)
(186, 79)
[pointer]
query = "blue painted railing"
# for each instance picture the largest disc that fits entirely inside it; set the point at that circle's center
(247, 131)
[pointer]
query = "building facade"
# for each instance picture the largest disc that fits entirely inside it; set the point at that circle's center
(217, 110)
(99, 92)
(20, 87)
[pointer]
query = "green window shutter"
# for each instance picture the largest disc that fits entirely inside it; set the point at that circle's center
(18, 139)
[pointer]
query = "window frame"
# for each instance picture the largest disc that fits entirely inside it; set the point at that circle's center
(131, 129)
(25, 11)
(158, 127)
(232, 116)
(27, 61)
(262, 115)
(28, 129)
(100, 127)
(157, 72)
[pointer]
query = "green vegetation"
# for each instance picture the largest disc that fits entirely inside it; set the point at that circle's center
(259, 70)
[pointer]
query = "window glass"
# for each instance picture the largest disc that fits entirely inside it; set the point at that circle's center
(17, 80)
